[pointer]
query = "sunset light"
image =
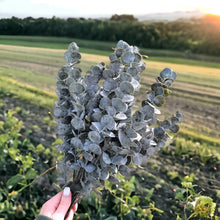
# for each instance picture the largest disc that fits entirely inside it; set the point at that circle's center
(86, 8)
(213, 10)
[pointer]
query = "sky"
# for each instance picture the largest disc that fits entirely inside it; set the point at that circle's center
(101, 8)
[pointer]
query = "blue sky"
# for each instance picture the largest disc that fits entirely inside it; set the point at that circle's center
(101, 8)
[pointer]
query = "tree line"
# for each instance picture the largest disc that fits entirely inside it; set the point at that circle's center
(195, 35)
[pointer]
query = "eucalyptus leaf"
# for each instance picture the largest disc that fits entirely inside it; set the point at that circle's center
(159, 132)
(111, 110)
(165, 124)
(124, 170)
(88, 156)
(114, 180)
(105, 102)
(120, 116)
(60, 112)
(127, 98)
(63, 129)
(127, 57)
(98, 126)
(123, 138)
(94, 148)
(174, 128)
(126, 87)
(74, 73)
(151, 151)
(108, 122)
(73, 47)
(166, 73)
(108, 134)
(94, 136)
(76, 88)
(78, 124)
(137, 159)
(106, 158)
(108, 74)
(90, 168)
(75, 166)
(109, 85)
(104, 174)
(125, 77)
(159, 100)
(119, 160)
(113, 57)
(119, 105)
(76, 142)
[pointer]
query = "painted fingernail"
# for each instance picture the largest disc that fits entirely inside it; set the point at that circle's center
(66, 191)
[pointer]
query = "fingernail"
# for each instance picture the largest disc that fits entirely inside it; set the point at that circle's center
(75, 207)
(66, 191)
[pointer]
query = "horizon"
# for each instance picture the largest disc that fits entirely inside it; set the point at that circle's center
(98, 9)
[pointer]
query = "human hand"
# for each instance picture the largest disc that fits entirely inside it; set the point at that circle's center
(57, 206)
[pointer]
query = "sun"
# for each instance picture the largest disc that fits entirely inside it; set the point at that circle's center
(215, 9)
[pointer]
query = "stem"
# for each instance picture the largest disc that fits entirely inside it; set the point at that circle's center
(75, 199)
(46, 171)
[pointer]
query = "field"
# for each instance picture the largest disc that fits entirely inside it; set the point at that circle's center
(27, 81)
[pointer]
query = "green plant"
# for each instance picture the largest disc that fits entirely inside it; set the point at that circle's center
(187, 148)
(19, 195)
(117, 202)
(195, 205)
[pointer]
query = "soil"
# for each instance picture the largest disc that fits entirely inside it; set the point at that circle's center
(32, 116)
(155, 172)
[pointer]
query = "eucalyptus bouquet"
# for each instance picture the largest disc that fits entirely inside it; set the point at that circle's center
(101, 134)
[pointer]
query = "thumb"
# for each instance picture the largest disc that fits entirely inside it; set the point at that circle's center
(64, 205)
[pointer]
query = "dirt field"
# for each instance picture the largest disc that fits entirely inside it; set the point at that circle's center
(196, 94)
(155, 172)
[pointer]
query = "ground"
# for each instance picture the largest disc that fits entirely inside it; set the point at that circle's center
(155, 172)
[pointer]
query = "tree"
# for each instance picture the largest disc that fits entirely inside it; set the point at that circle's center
(123, 17)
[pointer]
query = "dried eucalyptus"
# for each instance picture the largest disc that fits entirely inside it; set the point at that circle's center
(101, 136)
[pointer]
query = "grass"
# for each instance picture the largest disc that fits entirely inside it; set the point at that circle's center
(44, 82)
(26, 93)
(192, 134)
(104, 48)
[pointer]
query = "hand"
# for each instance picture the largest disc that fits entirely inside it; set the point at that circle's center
(58, 205)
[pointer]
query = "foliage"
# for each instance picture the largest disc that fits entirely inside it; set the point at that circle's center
(26, 93)
(187, 148)
(200, 36)
(195, 205)
(117, 202)
(101, 136)
(20, 164)
(123, 17)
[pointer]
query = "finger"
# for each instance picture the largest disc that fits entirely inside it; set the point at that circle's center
(64, 205)
(72, 211)
(70, 216)
(51, 205)
(75, 207)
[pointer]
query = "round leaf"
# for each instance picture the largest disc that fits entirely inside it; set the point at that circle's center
(119, 105)
(128, 57)
(106, 158)
(126, 87)
(76, 88)
(108, 122)
(94, 136)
